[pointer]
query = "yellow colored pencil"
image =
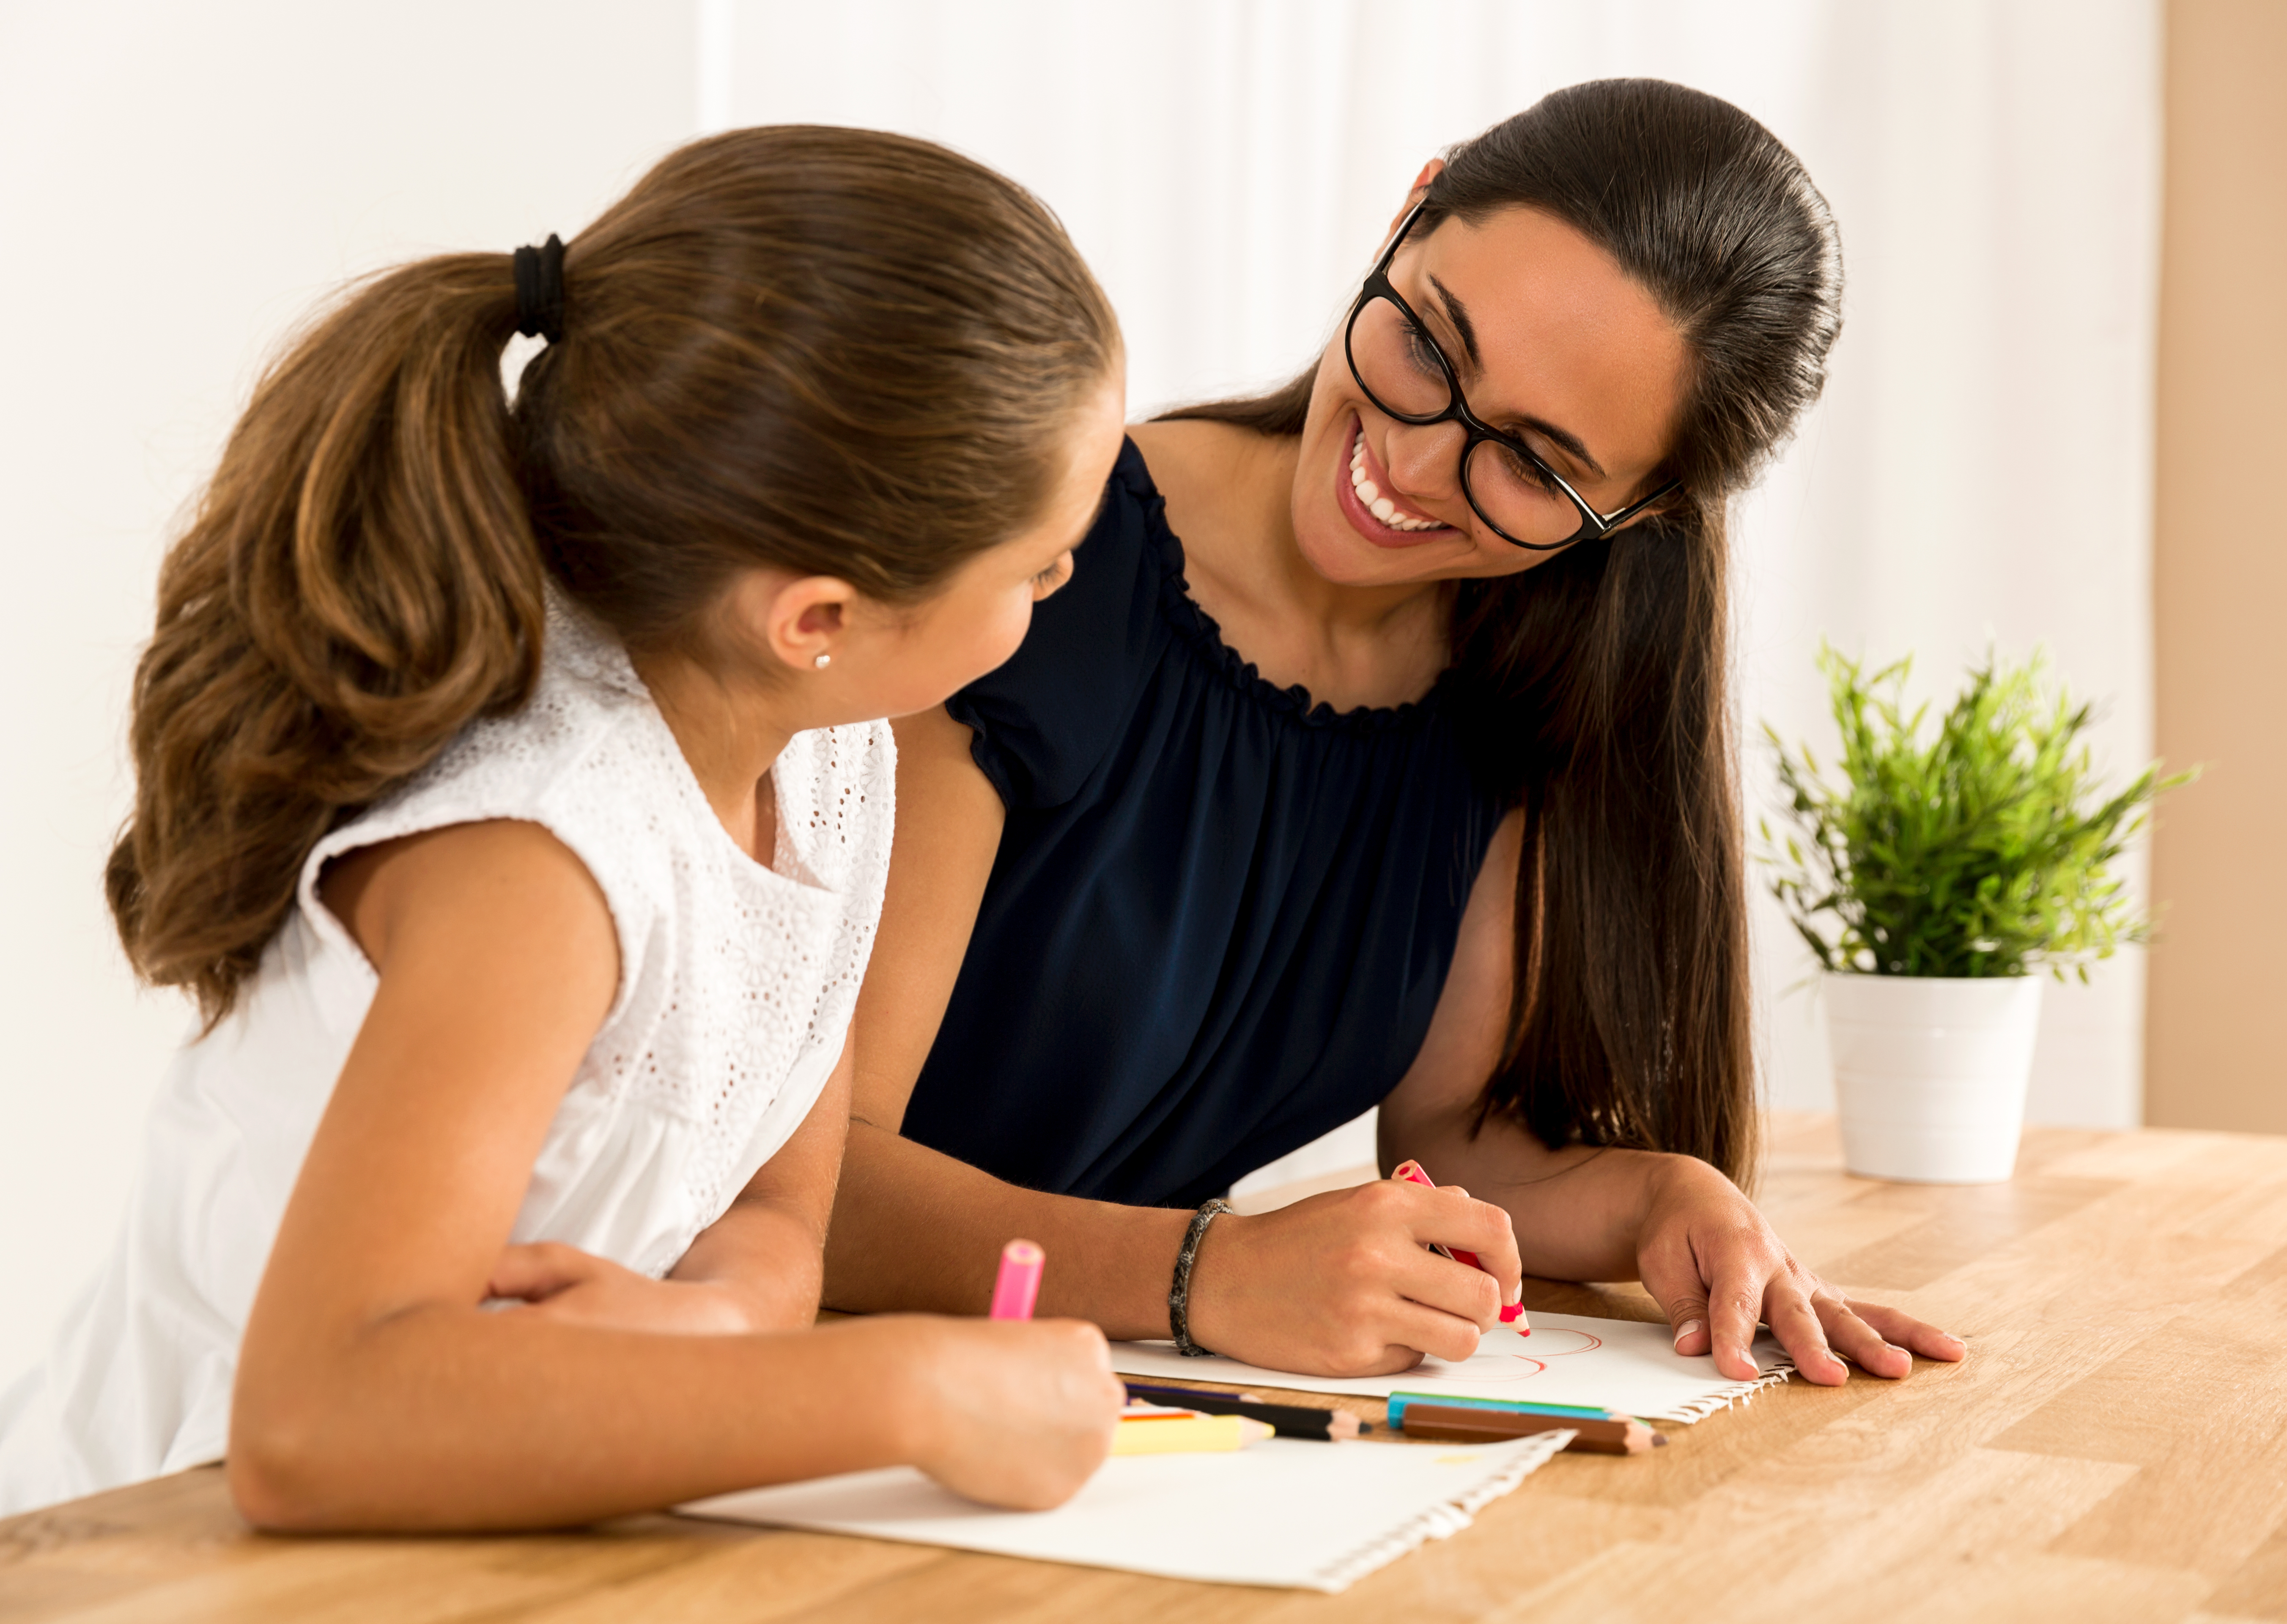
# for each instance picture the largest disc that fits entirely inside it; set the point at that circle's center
(1178, 1432)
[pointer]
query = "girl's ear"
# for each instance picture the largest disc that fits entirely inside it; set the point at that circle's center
(1430, 172)
(797, 618)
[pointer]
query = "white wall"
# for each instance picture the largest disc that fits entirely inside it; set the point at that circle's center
(1980, 469)
(178, 184)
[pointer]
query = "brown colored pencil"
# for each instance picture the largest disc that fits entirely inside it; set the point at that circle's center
(1452, 1423)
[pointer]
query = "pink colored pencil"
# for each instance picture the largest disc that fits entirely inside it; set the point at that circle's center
(1018, 1285)
(1414, 1173)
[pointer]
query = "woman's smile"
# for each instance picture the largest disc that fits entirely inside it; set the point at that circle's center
(1362, 490)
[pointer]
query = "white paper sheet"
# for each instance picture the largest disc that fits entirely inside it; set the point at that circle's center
(1309, 1516)
(1613, 1364)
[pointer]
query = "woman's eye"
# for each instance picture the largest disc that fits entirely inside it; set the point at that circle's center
(1521, 467)
(1055, 573)
(1422, 352)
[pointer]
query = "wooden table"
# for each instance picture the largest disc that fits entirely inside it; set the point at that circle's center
(2112, 1449)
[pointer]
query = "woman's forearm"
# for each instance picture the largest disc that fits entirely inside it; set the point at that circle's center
(449, 1417)
(1581, 1219)
(915, 1228)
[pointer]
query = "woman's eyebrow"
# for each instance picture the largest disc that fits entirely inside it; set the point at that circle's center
(1457, 315)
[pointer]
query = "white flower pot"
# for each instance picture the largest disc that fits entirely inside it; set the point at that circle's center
(1930, 1072)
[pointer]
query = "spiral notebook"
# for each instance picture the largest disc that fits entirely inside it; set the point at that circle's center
(1286, 1512)
(1621, 1365)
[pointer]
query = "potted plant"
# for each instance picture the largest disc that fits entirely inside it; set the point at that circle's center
(1933, 883)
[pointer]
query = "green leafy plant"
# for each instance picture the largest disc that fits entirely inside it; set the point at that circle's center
(1985, 849)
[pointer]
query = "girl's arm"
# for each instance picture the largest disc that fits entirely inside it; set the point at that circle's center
(373, 1390)
(1673, 1222)
(770, 1247)
(759, 1267)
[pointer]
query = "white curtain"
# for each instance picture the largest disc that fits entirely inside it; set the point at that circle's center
(179, 185)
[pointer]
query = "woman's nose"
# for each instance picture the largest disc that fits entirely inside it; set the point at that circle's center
(1425, 461)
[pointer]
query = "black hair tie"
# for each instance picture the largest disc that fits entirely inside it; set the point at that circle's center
(540, 289)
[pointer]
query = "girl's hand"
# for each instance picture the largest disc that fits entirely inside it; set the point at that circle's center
(1343, 1284)
(1015, 1413)
(1713, 1262)
(562, 1282)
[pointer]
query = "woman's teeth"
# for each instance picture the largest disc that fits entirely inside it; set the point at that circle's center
(1381, 506)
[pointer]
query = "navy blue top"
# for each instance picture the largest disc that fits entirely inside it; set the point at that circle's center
(1220, 918)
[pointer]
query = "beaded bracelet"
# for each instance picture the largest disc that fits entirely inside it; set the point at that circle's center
(1179, 1294)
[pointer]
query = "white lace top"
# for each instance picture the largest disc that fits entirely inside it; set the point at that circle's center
(736, 986)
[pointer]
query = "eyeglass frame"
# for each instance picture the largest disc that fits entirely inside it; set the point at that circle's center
(1594, 526)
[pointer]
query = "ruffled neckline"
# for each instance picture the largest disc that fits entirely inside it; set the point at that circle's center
(1198, 628)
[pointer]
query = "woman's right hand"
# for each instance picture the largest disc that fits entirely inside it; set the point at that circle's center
(1018, 1413)
(1343, 1284)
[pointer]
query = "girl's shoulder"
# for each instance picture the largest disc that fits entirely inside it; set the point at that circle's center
(585, 757)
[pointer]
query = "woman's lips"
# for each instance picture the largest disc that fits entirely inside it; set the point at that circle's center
(1355, 509)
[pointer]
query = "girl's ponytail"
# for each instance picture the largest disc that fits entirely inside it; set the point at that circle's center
(832, 352)
(360, 581)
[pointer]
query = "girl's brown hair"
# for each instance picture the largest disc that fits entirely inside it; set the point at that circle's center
(1595, 683)
(830, 351)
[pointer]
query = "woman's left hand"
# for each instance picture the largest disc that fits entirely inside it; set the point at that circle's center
(1714, 1264)
(563, 1283)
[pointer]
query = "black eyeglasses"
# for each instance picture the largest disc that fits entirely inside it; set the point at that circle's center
(1407, 377)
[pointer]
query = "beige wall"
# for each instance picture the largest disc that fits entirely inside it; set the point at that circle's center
(2216, 1046)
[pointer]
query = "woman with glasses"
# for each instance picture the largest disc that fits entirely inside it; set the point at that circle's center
(1377, 754)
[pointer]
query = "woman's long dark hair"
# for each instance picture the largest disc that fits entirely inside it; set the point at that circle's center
(1595, 685)
(829, 351)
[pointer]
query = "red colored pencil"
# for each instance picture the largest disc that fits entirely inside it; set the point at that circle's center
(1414, 1173)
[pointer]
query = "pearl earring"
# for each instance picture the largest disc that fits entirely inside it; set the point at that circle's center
(823, 660)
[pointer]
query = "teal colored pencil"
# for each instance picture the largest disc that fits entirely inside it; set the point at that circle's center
(1514, 1406)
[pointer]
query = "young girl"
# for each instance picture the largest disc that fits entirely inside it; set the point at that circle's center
(509, 801)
